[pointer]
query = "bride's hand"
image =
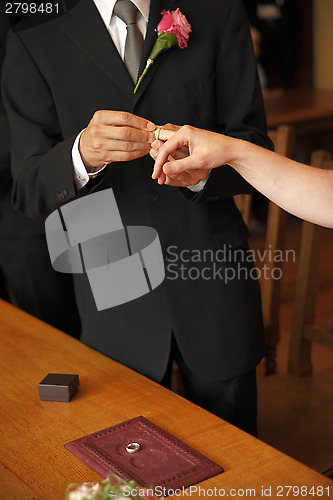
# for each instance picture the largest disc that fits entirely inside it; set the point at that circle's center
(181, 179)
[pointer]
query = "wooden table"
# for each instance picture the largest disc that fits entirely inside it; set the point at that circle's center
(310, 112)
(33, 461)
(307, 110)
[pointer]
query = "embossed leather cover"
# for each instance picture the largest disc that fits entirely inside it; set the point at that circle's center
(163, 460)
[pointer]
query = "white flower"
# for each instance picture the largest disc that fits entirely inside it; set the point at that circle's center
(86, 491)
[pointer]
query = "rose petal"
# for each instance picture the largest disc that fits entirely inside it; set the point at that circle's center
(175, 22)
(166, 22)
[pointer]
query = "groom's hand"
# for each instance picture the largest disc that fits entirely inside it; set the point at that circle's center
(115, 136)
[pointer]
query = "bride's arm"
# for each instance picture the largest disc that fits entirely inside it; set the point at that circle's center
(304, 191)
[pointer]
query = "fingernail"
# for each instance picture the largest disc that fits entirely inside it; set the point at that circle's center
(151, 126)
(153, 153)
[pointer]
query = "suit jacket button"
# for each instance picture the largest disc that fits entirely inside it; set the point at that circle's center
(63, 194)
(152, 196)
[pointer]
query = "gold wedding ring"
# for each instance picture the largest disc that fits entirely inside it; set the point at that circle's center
(157, 133)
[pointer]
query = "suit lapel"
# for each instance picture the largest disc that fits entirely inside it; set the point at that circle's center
(156, 7)
(84, 26)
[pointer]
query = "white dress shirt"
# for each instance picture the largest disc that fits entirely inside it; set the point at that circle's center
(118, 32)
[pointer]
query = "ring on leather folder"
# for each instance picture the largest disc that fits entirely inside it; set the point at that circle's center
(133, 447)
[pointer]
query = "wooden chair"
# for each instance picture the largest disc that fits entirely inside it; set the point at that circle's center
(243, 203)
(304, 332)
(283, 140)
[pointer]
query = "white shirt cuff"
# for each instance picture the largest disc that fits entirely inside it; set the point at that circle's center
(81, 176)
(198, 187)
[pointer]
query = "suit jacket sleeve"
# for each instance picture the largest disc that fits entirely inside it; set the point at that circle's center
(240, 109)
(5, 176)
(41, 160)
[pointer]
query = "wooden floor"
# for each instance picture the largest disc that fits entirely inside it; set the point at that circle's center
(296, 414)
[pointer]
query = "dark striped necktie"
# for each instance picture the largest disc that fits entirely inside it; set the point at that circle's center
(127, 12)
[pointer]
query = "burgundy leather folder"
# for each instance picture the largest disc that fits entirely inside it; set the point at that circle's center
(162, 459)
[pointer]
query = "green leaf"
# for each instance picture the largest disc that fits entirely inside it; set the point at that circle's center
(165, 41)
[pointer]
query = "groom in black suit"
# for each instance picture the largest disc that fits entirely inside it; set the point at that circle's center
(62, 71)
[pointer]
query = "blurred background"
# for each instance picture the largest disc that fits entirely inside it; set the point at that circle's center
(293, 41)
(304, 27)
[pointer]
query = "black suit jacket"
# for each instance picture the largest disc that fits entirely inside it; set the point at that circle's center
(56, 75)
(12, 224)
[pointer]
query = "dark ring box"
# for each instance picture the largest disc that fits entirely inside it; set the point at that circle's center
(58, 387)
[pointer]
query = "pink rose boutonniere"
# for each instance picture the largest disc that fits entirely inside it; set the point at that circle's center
(173, 28)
